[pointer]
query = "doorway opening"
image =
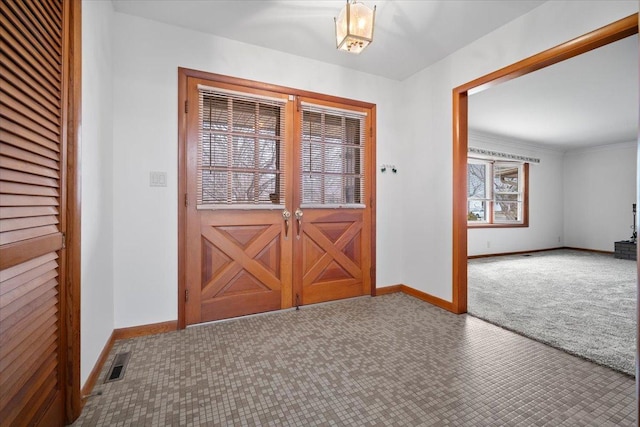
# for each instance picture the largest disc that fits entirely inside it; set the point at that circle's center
(613, 32)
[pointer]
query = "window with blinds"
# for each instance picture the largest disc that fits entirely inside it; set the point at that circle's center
(332, 164)
(240, 152)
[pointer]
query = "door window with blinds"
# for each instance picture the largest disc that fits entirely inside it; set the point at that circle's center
(241, 150)
(332, 163)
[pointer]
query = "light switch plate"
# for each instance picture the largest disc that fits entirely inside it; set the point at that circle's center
(157, 179)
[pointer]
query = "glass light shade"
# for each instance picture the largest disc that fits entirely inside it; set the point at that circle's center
(354, 27)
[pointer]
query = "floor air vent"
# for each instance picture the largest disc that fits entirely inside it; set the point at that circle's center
(116, 372)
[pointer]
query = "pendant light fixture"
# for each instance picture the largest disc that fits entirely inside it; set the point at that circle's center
(354, 27)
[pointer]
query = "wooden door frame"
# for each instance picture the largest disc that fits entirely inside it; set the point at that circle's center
(608, 34)
(71, 202)
(183, 75)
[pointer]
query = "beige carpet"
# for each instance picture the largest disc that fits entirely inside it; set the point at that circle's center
(581, 302)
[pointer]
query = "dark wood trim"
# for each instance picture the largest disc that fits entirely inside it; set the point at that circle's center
(433, 300)
(515, 253)
(387, 290)
(608, 34)
(183, 75)
(144, 330)
(182, 195)
(95, 372)
(459, 252)
(613, 32)
(70, 215)
(372, 176)
(595, 251)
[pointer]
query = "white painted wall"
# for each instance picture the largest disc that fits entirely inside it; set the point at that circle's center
(427, 126)
(414, 239)
(147, 55)
(600, 187)
(97, 184)
(546, 204)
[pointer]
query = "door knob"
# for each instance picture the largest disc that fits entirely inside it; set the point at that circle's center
(298, 215)
(286, 215)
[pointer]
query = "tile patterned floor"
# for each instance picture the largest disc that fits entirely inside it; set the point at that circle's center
(384, 361)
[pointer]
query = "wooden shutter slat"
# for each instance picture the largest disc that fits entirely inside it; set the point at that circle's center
(27, 122)
(45, 19)
(16, 253)
(54, 42)
(22, 223)
(15, 200)
(26, 156)
(17, 287)
(27, 189)
(57, 5)
(29, 55)
(22, 143)
(19, 361)
(12, 272)
(19, 165)
(25, 15)
(39, 95)
(17, 141)
(41, 398)
(15, 358)
(30, 299)
(51, 126)
(53, 10)
(30, 233)
(24, 366)
(10, 339)
(30, 135)
(26, 401)
(26, 211)
(20, 177)
(11, 20)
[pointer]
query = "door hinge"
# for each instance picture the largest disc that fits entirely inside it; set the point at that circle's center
(64, 240)
(186, 200)
(186, 295)
(186, 106)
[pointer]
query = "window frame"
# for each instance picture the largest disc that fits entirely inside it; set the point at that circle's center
(523, 184)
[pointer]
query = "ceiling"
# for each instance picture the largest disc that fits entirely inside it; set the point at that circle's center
(409, 35)
(589, 100)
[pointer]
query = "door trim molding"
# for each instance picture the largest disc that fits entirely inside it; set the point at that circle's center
(183, 75)
(608, 34)
(70, 219)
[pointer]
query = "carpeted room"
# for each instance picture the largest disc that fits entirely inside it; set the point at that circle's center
(581, 194)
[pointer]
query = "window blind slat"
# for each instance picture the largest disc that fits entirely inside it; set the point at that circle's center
(241, 150)
(333, 142)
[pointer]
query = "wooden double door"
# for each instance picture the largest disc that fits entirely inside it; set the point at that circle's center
(278, 200)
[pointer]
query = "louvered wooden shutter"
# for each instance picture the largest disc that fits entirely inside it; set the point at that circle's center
(333, 147)
(31, 105)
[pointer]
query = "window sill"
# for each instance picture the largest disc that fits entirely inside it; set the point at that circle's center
(487, 225)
